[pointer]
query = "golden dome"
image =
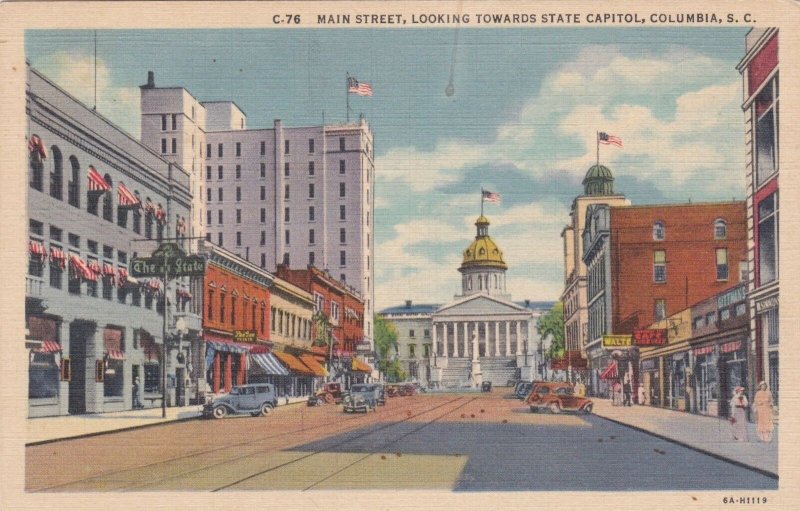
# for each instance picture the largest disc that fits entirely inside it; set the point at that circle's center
(483, 252)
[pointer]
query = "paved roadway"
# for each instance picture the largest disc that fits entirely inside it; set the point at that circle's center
(466, 442)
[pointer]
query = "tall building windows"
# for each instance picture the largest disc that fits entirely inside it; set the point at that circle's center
(263, 215)
(342, 258)
(238, 238)
(311, 236)
(743, 271)
(342, 212)
(659, 232)
(219, 150)
(210, 307)
(286, 214)
(238, 172)
(311, 213)
(238, 194)
(174, 145)
(286, 170)
(286, 192)
(219, 194)
(174, 122)
(341, 144)
(219, 217)
(57, 176)
(263, 238)
(659, 266)
(263, 170)
(263, 193)
(660, 309)
(238, 148)
(163, 123)
(722, 263)
(311, 258)
(263, 148)
(341, 167)
(208, 172)
(263, 260)
(208, 150)
(768, 239)
(219, 239)
(287, 237)
(285, 147)
(311, 168)
(163, 146)
(766, 131)
(342, 190)
(310, 190)
(720, 229)
(342, 235)
(208, 194)
(219, 172)
(310, 145)
(208, 217)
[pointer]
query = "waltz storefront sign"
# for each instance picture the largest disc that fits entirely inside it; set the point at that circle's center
(168, 259)
(617, 341)
(244, 335)
(650, 337)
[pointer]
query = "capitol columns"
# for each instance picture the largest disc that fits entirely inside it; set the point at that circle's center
(508, 338)
(519, 338)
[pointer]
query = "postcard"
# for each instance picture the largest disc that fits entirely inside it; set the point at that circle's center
(395, 255)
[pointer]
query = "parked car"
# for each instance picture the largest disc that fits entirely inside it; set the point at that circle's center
(380, 393)
(315, 401)
(255, 399)
(557, 397)
(362, 398)
(522, 389)
(331, 392)
(392, 391)
(486, 386)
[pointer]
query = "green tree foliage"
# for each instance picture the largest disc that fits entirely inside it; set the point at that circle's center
(552, 325)
(322, 329)
(385, 337)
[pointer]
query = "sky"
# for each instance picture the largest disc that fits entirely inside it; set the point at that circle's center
(522, 122)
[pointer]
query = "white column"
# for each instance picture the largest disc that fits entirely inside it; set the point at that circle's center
(508, 338)
(455, 339)
(497, 338)
(486, 351)
(444, 338)
(435, 340)
(466, 340)
(519, 339)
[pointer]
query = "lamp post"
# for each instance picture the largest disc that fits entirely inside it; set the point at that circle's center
(525, 349)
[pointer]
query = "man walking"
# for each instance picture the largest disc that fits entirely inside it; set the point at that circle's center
(136, 403)
(626, 389)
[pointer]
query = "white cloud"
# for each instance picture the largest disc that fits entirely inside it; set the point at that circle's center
(424, 170)
(75, 73)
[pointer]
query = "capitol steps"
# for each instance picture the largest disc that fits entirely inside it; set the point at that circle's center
(499, 370)
(457, 372)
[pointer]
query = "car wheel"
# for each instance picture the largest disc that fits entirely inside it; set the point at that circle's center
(587, 408)
(220, 412)
(329, 398)
(266, 409)
(554, 407)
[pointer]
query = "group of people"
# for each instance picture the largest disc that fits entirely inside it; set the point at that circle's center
(762, 402)
(621, 392)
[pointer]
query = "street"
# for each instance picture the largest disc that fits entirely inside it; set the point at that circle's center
(459, 442)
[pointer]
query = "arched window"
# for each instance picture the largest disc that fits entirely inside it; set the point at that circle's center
(659, 232)
(720, 229)
(137, 215)
(57, 176)
(148, 222)
(74, 185)
(37, 170)
(108, 207)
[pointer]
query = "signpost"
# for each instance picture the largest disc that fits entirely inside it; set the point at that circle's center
(167, 261)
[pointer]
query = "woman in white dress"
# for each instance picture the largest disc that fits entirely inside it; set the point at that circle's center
(738, 414)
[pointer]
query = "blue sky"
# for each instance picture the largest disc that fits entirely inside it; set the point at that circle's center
(521, 122)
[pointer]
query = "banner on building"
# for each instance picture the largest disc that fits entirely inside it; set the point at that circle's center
(644, 337)
(617, 341)
(244, 335)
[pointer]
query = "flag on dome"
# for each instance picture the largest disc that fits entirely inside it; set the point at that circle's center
(491, 196)
(606, 139)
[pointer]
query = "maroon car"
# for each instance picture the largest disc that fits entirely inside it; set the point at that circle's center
(557, 397)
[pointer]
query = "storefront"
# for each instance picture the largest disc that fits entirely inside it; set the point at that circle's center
(706, 380)
(226, 363)
(676, 381)
(651, 381)
(44, 366)
(732, 372)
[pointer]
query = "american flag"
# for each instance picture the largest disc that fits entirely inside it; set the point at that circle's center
(356, 87)
(606, 139)
(491, 196)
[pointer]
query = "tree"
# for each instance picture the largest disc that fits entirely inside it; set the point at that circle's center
(322, 329)
(385, 337)
(552, 325)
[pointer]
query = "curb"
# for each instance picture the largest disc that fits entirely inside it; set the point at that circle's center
(718, 456)
(199, 416)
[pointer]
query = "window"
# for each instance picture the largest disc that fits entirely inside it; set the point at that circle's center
(219, 194)
(724, 314)
(311, 236)
(238, 172)
(238, 238)
(658, 231)
(341, 167)
(334, 312)
(238, 148)
(311, 168)
(766, 131)
(768, 239)
(263, 238)
(208, 194)
(342, 258)
(722, 264)
(286, 215)
(74, 185)
(743, 271)
(342, 235)
(219, 217)
(238, 194)
(659, 266)
(163, 146)
(311, 258)
(219, 172)
(208, 217)
(208, 172)
(286, 258)
(174, 146)
(219, 150)
(222, 307)
(411, 333)
(263, 193)
(342, 212)
(311, 190)
(263, 260)
(286, 171)
(263, 148)
(285, 147)
(342, 277)
(263, 215)
(286, 192)
(720, 229)
(310, 145)
(341, 189)
(741, 309)
(341, 143)
(699, 322)
(263, 170)
(711, 319)
(174, 122)
(311, 213)
(163, 123)
(208, 150)
(238, 216)
(287, 237)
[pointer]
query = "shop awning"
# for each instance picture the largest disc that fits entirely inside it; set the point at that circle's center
(609, 372)
(48, 347)
(312, 364)
(257, 349)
(36, 248)
(219, 344)
(361, 367)
(293, 363)
(125, 198)
(269, 364)
(96, 181)
(115, 355)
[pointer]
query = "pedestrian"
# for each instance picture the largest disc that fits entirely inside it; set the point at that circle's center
(626, 389)
(617, 393)
(763, 405)
(738, 417)
(580, 389)
(642, 395)
(136, 403)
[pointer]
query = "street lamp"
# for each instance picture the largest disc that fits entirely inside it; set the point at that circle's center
(525, 349)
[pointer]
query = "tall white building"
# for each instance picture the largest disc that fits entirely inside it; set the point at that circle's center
(300, 196)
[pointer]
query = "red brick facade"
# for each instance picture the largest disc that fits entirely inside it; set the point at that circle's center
(343, 307)
(690, 244)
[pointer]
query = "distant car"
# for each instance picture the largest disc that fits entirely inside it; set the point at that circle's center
(256, 399)
(315, 401)
(380, 393)
(408, 389)
(558, 397)
(362, 398)
(392, 391)
(522, 389)
(331, 392)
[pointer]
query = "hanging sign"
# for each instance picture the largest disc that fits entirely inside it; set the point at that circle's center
(645, 337)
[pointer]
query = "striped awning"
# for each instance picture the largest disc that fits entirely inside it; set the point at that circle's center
(609, 372)
(48, 347)
(125, 198)
(96, 181)
(293, 363)
(115, 355)
(312, 364)
(226, 345)
(36, 248)
(269, 364)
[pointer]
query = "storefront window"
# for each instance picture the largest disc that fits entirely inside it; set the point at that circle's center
(43, 376)
(706, 384)
(113, 378)
(774, 380)
(768, 239)
(677, 376)
(152, 378)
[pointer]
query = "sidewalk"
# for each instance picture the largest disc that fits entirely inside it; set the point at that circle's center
(710, 435)
(48, 429)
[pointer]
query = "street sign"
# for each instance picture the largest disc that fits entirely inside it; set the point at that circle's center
(645, 337)
(168, 259)
(617, 341)
(244, 335)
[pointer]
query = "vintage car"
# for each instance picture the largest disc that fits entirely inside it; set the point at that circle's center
(408, 389)
(362, 398)
(392, 390)
(522, 389)
(255, 399)
(331, 392)
(557, 396)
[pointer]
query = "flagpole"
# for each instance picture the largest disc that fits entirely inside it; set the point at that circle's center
(481, 201)
(347, 94)
(597, 143)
